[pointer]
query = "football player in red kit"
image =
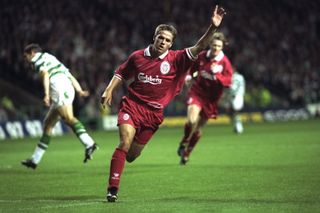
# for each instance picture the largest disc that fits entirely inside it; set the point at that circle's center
(211, 73)
(157, 75)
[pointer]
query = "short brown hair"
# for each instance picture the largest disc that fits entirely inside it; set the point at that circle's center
(166, 27)
(32, 48)
(220, 36)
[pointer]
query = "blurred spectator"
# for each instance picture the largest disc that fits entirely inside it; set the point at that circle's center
(258, 96)
(7, 109)
(265, 97)
(3, 115)
(93, 37)
(7, 103)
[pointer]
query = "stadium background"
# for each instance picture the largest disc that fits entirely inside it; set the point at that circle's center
(272, 167)
(272, 43)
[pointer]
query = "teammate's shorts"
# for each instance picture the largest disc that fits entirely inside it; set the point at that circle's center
(209, 109)
(237, 102)
(61, 91)
(143, 118)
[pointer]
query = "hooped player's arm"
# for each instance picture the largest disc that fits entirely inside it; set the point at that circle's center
(204, 41)
(77, 87)
(106, 98)
(45, 82)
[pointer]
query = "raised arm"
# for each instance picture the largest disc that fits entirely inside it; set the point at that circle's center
(204, 41)
(106, 97)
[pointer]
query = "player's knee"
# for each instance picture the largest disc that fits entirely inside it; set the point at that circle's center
(192, 122)
(47, 129)
(124, 145)
(69, 120)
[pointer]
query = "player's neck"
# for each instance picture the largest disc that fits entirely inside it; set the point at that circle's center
(154, 53)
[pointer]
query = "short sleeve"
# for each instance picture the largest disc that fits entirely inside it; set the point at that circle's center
(126, 70)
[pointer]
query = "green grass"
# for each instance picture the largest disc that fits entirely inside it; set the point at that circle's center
(272, 167)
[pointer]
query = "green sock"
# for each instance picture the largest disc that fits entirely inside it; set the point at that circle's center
(78, 128)
(44, 141)
(82, 134)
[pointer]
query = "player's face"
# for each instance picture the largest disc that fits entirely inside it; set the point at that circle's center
(162, 42)
(28, 56)
(216, 47)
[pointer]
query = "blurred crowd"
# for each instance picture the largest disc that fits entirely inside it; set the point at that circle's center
(273, 43)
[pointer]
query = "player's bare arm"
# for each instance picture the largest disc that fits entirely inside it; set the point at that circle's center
(77, 87)
(45, 81)
(204, 41)
(106, 97)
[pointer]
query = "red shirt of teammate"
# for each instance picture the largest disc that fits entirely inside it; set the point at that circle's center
(213, 75)
(213, 72)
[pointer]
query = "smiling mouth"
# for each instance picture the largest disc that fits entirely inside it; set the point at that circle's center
(159, 49)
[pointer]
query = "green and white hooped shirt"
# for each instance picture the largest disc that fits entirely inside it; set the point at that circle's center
(46, 61)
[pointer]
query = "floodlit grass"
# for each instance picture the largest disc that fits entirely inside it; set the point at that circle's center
(272, 167)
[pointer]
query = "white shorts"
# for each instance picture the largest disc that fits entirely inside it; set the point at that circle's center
(237, 102)
(61, 91)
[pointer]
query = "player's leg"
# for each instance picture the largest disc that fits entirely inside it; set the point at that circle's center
(193, 117)
(237, 123)
(237, 105)
(134, 151)
(193, 140)
(142, 137)
(183, 143)
(49, 122)
(126, 133)
(66, 112)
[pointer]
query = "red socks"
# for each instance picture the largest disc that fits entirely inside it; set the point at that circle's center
(116, 167)
(187, 130)
(193, 141)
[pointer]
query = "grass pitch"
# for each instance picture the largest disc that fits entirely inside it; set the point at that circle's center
(272, 167)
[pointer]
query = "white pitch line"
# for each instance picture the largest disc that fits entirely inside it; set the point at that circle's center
(5, 166)
(11, 201)
(48, 206)
(45, 200)
(55, 206)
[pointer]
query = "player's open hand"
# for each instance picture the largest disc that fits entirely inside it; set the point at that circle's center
(106, 98)
(217, 15)
(83, 93)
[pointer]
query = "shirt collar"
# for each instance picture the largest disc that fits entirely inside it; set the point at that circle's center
(36, 56)
(218, 57)
(148, 53)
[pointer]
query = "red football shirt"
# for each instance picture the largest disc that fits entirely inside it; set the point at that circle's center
(213, 75)
(155, 81)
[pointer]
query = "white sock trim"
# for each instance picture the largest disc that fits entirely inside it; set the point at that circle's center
(86, 140)
(37, 155)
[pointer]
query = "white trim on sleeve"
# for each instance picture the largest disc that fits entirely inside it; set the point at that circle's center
(192, 57)
(118, 77)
